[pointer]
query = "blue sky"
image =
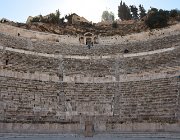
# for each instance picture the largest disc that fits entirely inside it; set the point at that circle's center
(19, 10)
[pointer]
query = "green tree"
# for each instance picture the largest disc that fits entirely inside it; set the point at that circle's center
(120, 11)
(107, 16)
(69, 18)
(157, 18)
(134, 11)
(124, 11)
(173, 13)
(114, 24)
(35, 19)
(142, 11)
(153, 10)
(54, 17)
(58, 14)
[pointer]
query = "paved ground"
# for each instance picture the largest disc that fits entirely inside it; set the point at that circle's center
(159, 136)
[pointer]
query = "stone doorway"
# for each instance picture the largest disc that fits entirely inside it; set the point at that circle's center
(88, 41)
(81, 40)
(89, 129)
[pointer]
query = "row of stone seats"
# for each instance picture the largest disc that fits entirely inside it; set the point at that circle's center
(102, 67)
(58, 48)
(24, 97)
(29, 63)
(150, 100)
(13, 42)
(90, 67)
(146, 63)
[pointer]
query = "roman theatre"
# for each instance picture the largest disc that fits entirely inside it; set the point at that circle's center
(55, 84)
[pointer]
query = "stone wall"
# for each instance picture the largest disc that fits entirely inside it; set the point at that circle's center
(88, 66)
(97, 49)
(46, 88)
(67, 39)
(38, 102)
(28, 63)
(153, 101)
(144, 36)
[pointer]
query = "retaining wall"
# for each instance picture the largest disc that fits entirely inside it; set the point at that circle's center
(44, 91)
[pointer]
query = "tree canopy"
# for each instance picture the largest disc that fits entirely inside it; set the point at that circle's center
(157, 18)
(142, 11)
(134, 11)
(107, 16)
(130, 12)
(53, 18)
(124, 11)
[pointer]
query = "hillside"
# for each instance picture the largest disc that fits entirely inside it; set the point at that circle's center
(123, 28)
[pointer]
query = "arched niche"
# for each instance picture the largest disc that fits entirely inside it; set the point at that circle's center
(88, 38)
(88, 34)
(81, 39)
(96, 40)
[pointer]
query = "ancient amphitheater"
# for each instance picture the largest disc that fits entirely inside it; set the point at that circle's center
(54, 84)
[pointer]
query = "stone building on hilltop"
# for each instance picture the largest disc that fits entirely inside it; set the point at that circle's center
(77, 19)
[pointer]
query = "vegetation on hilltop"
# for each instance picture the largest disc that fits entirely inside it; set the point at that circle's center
(158, 18)
(107, 16)
(132, 19)
(124, 12)
(53, 18)
(154, 18)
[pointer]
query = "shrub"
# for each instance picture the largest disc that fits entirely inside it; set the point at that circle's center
(173, 13)
(157, 19)
(35, 19)
(53, 18)
(114, 24)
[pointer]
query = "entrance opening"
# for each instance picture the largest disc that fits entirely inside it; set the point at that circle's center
(88, 41)
(89, 129)
(81, 40)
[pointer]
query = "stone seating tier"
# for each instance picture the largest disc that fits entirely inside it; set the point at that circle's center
(64, 49)
(35, 101)
(89, 67)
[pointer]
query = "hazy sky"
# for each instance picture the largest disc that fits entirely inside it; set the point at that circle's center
(19, 10)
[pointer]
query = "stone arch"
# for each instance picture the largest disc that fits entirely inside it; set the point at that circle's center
(89, 34)
(81, 40)
(88, 38)
(95, 40)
